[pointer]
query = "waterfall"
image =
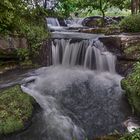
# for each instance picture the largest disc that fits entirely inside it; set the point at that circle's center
(80, 94)
(90, 54)
(75, 22)
(52, 22)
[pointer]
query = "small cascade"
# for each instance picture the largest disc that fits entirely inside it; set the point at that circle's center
(90, 54)
(75, 22)
(52, 21)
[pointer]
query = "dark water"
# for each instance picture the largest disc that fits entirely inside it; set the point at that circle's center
(14, 76)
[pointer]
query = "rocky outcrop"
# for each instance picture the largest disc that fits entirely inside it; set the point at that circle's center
(45, 58)
(127, 49)
(96, 21)
(9, 45)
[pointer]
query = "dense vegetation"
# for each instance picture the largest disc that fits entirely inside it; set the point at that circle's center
(80, 6)
(18, 18)
(131, 23)
(16, 108)
(131, 84)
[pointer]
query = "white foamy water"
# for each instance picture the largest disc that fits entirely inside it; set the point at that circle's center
(76, 100)
(91, 54)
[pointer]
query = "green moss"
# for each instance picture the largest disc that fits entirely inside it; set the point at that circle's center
(16, 108)
(132, 136)
(131, 84)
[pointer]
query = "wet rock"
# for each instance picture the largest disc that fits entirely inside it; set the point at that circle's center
(62, 22)
(127, 49)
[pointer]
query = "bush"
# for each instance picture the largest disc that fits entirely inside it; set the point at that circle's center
(18, 18)
(132, 86)
(34, 35)
(15, 109)
(131, 23)
(132, 136)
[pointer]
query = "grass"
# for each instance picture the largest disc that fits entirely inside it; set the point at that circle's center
(16, 108)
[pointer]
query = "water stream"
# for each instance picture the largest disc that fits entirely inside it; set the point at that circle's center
(80, 94)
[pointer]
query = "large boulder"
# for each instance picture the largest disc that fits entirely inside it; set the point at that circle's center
(94, 21)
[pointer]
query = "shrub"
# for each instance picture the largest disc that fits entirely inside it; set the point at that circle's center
(132, 86)
(131, 23)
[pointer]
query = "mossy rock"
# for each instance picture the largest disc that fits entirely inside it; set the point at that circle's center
(16, 108)
(131, 85)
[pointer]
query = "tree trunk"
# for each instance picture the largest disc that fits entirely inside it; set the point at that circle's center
(132, 7)
(103, 13)
(135, 6)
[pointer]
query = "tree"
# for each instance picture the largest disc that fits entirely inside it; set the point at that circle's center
(135, 6)
(69, 6)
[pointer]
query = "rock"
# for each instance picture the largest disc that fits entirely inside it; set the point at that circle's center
(9, 45)
(113, 44)
(94, 21)
(62, 22)
(44, 58)
(126, 47)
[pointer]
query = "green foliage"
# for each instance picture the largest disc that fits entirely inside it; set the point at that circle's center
(18, 18)
(132, 136)
(114, 11)
(23, 54)
(66, 7)
(132, 86)
(35, 35)
(89, 6)
(15, 109)
(131, 23)
(10, 11)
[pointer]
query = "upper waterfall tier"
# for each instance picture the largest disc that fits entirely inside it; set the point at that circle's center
(90, 54)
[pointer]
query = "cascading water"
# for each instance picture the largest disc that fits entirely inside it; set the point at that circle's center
(91, 54)
(52, 22)
(75, 22)
(80, 94)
